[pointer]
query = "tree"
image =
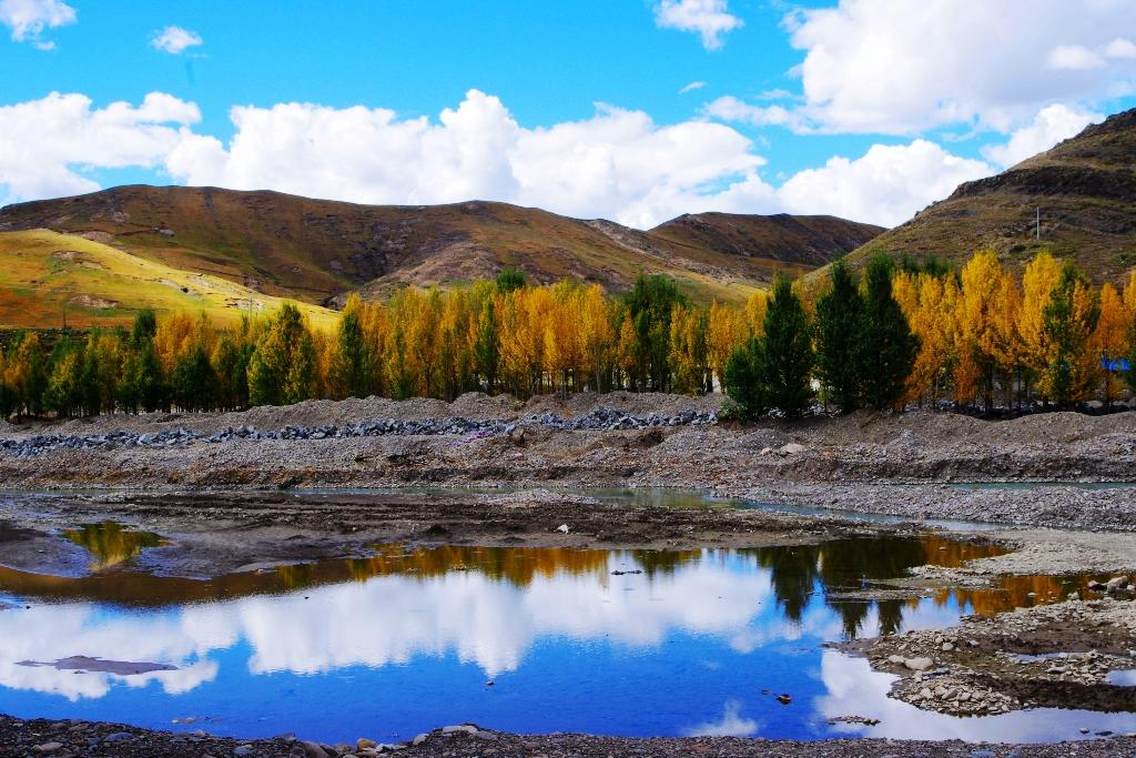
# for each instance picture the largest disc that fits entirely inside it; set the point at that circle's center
(839, 323)
(1110, 338)
(27, 374)
(64, 394)
(649, 306)
(786, 357)
(1070, 319)
(194, 382)
(351, 365)
(887, 347)
(744, 381)
(487, 347)
(510, 279)
(282, 368)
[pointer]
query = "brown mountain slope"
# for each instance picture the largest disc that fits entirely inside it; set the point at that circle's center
(1085, 188)
(317, 250)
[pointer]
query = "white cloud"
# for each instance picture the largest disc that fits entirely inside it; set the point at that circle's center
(692, 87)
(732, 724)
(900, 67)
(175, 40)
(710, 19)
(1121, 48)
(47, 144)
(730, 108)
(29, 18)
(1051, 125)
(887, 185)
(617, 164)
(1074, 58)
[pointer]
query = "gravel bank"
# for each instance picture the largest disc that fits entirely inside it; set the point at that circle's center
(77, 738)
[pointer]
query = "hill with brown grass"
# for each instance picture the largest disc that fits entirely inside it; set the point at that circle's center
(1085, 188)
(319, 250)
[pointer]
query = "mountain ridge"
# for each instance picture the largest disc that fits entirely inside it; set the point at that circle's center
(319, 250)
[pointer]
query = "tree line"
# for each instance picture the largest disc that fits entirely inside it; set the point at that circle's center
(904, 334)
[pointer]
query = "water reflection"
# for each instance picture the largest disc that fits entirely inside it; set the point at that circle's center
(111, 543)
(571, 642)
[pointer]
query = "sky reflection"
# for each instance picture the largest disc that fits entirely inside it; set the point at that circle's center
(698, 643)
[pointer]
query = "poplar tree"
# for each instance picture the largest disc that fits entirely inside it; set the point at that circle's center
(887, 346)
(487, 347)
(839, 324)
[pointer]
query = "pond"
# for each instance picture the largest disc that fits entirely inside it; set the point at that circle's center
(535, 640)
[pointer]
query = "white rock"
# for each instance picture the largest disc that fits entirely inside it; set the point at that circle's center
(563, 529)
(918, 664)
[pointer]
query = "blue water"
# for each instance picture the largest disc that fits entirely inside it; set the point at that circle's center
(701, 642)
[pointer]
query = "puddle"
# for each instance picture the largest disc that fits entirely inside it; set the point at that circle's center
(111, 543)
(531, 640)
(1125, 678)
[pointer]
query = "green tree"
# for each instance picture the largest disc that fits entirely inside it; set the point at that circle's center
(487, 347)
(744, 382)
(352, 367)
(282, 367)
(193, 383)
(1069, 318)
(787, 355)
(64, 392)
(887, 346)
(839, 323)
(29, 369)
(510, 279)
(649, 306)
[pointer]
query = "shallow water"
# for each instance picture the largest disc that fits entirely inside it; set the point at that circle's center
(519, 639)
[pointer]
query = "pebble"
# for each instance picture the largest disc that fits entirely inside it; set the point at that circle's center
(599, 419)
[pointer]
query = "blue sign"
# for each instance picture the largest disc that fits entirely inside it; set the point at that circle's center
(1116, 365)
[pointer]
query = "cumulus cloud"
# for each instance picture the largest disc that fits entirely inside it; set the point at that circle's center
(1051, 125)
(617, 164)
(898, 67)
(175, 40)
(46, 145)
(886, 185)
(29, 18)
(710, 19)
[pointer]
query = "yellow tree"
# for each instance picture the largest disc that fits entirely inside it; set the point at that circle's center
(756, 306)
(598, 336)
(725, 333)
(687, 348)
(980, 332)
(1111, 339)
(1039, 279)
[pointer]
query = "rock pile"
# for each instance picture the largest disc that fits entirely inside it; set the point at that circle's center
(599, 419)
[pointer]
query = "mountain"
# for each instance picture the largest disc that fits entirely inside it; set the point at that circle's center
(48, 280)
(318, 250)
(1085, 188)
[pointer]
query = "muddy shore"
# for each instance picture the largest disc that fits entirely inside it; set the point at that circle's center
(916, 465)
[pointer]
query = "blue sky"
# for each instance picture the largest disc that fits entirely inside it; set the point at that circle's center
(863, 108)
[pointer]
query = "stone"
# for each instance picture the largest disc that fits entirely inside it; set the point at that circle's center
(454, 729)
(563, 529)
(792, 448)
(948, 647)
(420, 739)
(313, 750)
(48, 747)
(899, 660)
(363, 743)
(243, 751)
(918, 664)
(1116, 583)
(119, 737)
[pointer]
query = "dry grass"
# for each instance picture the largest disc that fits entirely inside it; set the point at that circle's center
(45, 276)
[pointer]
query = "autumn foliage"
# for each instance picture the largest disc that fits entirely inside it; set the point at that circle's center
(982, 337)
